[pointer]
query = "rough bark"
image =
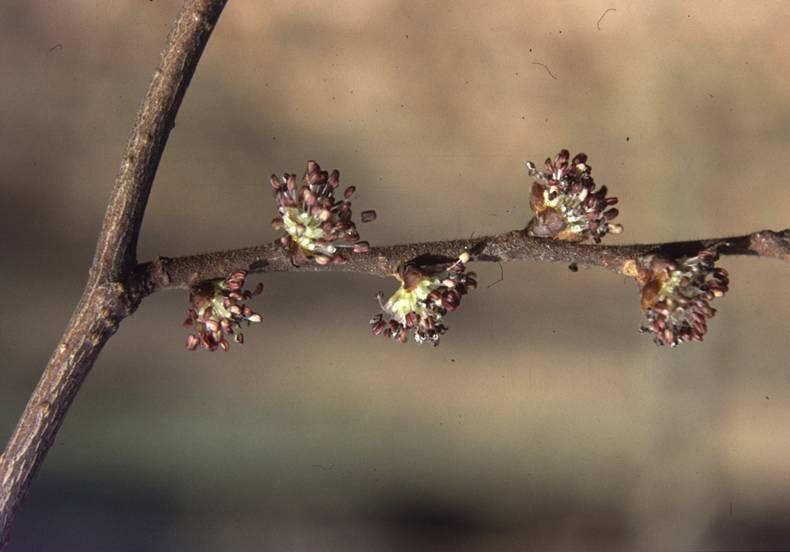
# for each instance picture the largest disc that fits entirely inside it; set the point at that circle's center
(182, 272)
(117, 283)
(107, 299)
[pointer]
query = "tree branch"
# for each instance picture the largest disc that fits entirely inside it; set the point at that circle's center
(107, 299)
(183, 272)
(117, 284)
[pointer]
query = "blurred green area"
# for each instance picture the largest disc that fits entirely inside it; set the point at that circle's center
(543, 421)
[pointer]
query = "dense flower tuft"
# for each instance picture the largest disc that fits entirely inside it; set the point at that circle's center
(218, 310)
(566, 204)
(421, 302)
(676, 296)
(316, 224)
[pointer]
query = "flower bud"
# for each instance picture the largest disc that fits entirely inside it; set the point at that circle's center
(217, 311)
(419, 305)
(566, 204)
(676, 295)
(314, 221)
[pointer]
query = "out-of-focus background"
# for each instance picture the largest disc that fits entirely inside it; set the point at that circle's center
(544, 420)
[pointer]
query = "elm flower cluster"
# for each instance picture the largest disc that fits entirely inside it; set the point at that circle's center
(566, 204)
(316, 224)
(422, 301)
(218, 310)
(676, 296)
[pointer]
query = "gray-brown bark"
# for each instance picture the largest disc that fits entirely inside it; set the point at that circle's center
(117, 284)
(516, 245)
(107, 298)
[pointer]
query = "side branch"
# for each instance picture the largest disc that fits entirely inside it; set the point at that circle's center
(516, 245)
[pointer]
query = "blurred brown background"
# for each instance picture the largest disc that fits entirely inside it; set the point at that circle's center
(543, 421)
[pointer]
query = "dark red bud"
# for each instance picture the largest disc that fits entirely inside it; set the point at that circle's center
(334, 179)
(451, 300)
(192, 342)
(378, 327)
(435, 296)
(290, 183)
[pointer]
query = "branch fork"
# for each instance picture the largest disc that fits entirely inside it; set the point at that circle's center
(568, 210)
